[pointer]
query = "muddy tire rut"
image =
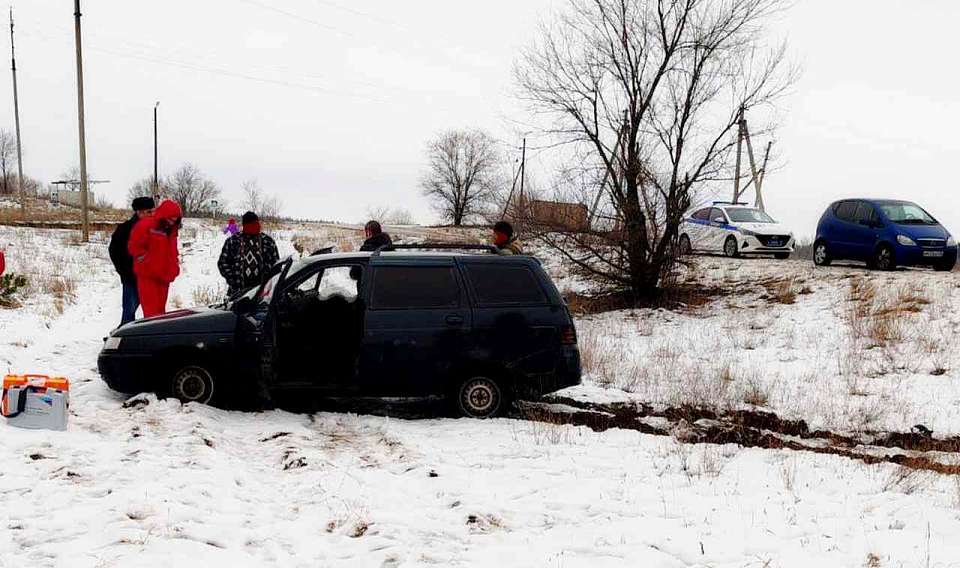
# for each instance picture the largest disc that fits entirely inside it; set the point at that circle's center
(753, 429)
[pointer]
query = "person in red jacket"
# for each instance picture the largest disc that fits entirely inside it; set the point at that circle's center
(153, 246)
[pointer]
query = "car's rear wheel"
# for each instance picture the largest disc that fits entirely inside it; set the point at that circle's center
(193, 383)
(781, 255)
(481, 397)
(821, 257)
(730, 248)
(883, 258)
(686, 249)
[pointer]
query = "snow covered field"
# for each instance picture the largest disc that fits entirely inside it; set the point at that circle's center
(156, 483)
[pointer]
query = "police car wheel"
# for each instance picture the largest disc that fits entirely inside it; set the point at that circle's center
(730, 248)
(192, 384)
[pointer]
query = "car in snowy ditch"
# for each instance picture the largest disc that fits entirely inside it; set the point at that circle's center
(734, 229)
(480, 329)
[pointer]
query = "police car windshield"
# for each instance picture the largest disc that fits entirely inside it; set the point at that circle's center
(743, 215)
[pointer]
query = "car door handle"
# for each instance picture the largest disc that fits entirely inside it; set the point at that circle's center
(454, 320)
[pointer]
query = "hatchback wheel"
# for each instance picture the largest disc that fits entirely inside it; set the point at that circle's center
(820, 255)
(883, 259)
(686, 249)
(945, 266)
(480, 397)
(192, 384)
(730, 248)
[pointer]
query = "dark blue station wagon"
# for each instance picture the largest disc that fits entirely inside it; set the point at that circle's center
(480, 329)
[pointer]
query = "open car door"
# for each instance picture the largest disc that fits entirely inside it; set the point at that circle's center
(266, 298)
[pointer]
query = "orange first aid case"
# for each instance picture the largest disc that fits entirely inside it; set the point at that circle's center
(35, 401)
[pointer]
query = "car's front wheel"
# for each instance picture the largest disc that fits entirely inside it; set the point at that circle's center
(821, 256)
(730, 248)
(883, 258)
(945, 266)
(193, 383)
(481, 397)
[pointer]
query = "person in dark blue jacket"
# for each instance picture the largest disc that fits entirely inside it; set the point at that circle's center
(123, 262)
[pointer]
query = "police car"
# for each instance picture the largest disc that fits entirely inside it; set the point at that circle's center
(734, 229)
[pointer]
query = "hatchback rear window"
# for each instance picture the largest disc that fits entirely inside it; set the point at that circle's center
(396, 287)
(500, 285)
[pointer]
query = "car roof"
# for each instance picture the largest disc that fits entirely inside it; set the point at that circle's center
(874, 200)
(407, 255)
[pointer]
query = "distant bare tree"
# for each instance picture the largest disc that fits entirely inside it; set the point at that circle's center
(255, 199)
(463, 172)
(8, 163)
(144, 188)
(197, 195)
(647, 93)
(388, 216)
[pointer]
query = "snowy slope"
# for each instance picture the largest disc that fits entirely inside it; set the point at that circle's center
(161, 484)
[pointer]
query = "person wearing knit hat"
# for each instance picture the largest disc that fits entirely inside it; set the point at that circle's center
(248, 256)
(504, 239)
(123, 262)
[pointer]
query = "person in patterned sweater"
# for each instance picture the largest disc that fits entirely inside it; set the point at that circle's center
(247, 257)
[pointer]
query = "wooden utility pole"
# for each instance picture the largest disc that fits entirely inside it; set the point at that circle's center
(523, 177)
(156, 181)
(736, 175)
(16, 119)
(83, 138)
(606, 172)
(753, 164)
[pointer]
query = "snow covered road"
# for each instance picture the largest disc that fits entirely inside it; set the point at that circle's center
(156, 483)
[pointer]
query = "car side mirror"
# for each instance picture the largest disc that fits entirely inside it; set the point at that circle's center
(719, 220)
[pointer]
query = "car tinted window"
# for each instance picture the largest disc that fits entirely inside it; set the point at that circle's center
(415, 287)
(498, 285)
(865, 212)
(846, 210)
(703, 214)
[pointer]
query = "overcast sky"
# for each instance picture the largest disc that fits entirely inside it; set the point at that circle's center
(329, 103)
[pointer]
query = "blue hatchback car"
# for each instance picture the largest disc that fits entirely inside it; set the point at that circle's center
(884, 233)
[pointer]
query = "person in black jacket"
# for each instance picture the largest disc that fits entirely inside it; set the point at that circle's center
(247, 257)
(376, 238)
(123, 262)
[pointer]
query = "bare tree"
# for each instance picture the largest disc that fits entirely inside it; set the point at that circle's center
(255, 199)
(8, 163)
(144, 188)
(647, 93)
(388, 216)
(463, 173)
(197, 195)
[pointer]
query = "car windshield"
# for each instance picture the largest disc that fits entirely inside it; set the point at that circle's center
(749, 216)
(907, 214)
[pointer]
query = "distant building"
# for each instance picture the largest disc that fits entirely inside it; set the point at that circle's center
(552, 215)
(71, 198)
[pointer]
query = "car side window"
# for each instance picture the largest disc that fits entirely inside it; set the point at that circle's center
(505, 285)
(702, 215)
(339, 280)
(717, 216)
(846, 210)
(401, 287)
(866, 212)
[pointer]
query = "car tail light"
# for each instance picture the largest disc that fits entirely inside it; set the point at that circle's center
(568, 335)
